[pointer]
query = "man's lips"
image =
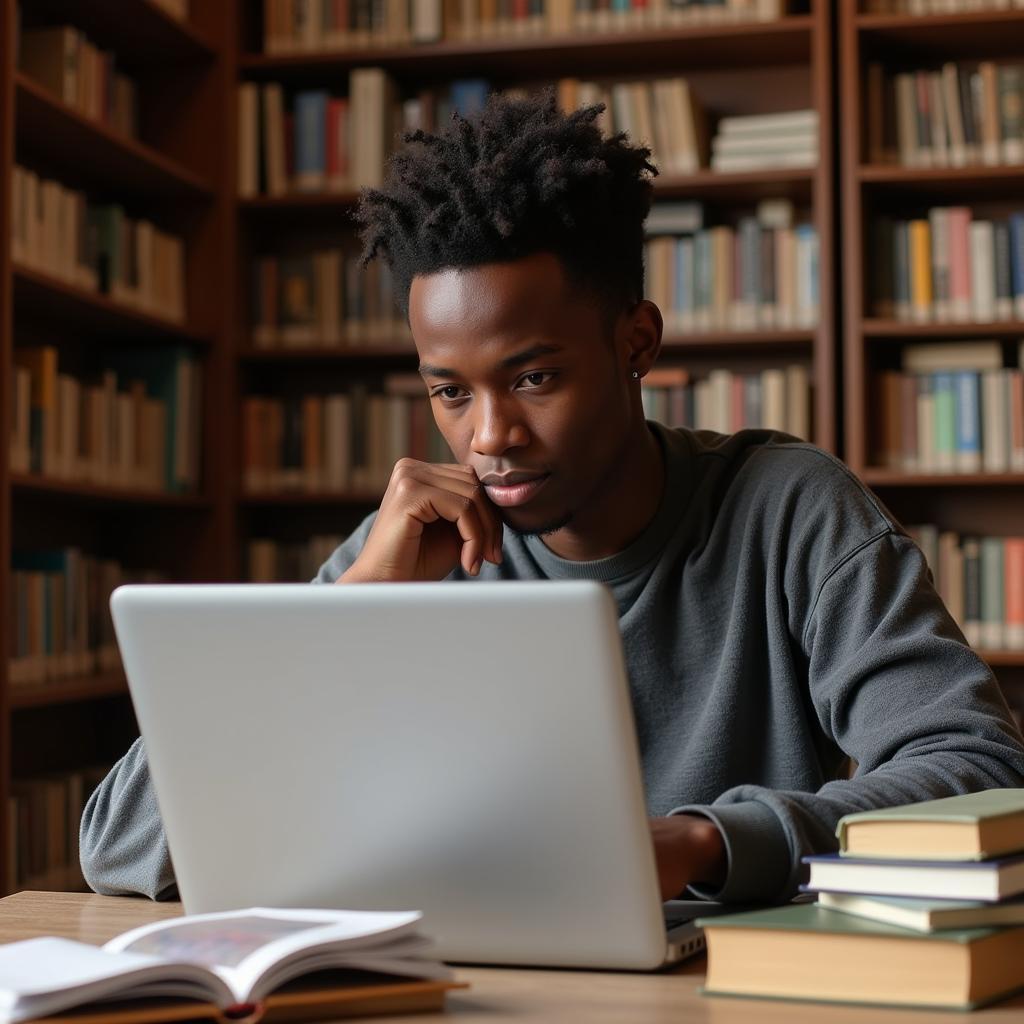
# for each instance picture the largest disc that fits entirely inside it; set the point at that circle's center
(513, 489)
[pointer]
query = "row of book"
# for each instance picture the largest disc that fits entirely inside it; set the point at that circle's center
(954, 408)
(82, 76)
(726, 401)
(981, 582)
(762, 274)
(315, 26)
(921, 907)
(275, 561)
(949, 267)
(96, 246)
(325, 299)
(134, 424)
(60, 623)
(306, 141)
(953, 117)
(43, 818)
(337, 442)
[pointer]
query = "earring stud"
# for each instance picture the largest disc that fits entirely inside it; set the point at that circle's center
(636, 375)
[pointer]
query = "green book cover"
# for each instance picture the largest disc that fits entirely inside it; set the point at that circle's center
(968, 807)
(810, 917)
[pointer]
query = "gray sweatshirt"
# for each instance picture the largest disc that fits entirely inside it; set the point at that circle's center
(775, 619)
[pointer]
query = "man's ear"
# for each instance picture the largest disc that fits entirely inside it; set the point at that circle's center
(641, 329)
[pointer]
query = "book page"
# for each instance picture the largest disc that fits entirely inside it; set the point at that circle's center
(45, 975)
(241, 946)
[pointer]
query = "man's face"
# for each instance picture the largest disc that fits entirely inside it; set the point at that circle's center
(527, 386)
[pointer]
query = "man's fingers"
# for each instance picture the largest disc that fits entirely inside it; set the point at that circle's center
(465, 483)
(430, 503)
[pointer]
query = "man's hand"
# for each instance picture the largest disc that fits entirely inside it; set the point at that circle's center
(432, 518)
(688, 850)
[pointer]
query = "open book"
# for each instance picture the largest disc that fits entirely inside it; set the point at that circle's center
(234, 960)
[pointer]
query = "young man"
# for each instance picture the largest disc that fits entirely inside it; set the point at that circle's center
(775, 618)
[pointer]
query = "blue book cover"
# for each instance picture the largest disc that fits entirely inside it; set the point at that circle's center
(1016, 228)
(968, 421)
(945, 421)
(311, 138)
(468, 95)
(684, 276)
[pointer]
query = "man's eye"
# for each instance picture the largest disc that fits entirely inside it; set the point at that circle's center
(450, 392)
(535, 380)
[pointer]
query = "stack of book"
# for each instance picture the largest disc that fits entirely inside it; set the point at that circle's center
(762, 274)
(955, 407)
(980, 581)
(949, 267)
(59, 616)
(760, 141)
(726, 401)
(43, 818)
(312, 26)
(96, 246)
(958, 116)
(63, 61)
(273, 561)
(134, 424)
(326, 299)
(327, 444)
(920, 907)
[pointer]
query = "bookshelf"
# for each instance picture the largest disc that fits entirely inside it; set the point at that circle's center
(786, 64)
(175, 170)
(872, 188)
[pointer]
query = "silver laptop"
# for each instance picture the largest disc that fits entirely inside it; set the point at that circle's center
(464, 750)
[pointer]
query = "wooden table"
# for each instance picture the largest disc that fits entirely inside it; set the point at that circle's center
(504, 994)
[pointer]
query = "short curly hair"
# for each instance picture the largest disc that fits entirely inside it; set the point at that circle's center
(516, 178)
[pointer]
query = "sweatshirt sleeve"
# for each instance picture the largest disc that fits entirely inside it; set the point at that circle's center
(894, 684)
(122, 846)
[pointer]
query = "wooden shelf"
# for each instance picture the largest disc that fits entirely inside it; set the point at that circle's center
(118, 165)
(111, 683)
(1003, 659)
(977, 180)
(24, 484)
(875, 477)
(765, 43)
(966, 34)
(681, 344)
(91, 313)
(291, 499)
(140, 32)
(900, 330)
(325, 354)
(748, 186)
(673, 344)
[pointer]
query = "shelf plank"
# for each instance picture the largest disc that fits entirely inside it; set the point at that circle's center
(95, 686)
(35, 486)
(140, 32)
(763, 43)
(47, 127)
(898, 329)
(877, 477)
(672, 344)
(325, 354)
(298, 499)
(1007, 659)
(92, 313)
(975, 34)
(747, 185)
(978, 179)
